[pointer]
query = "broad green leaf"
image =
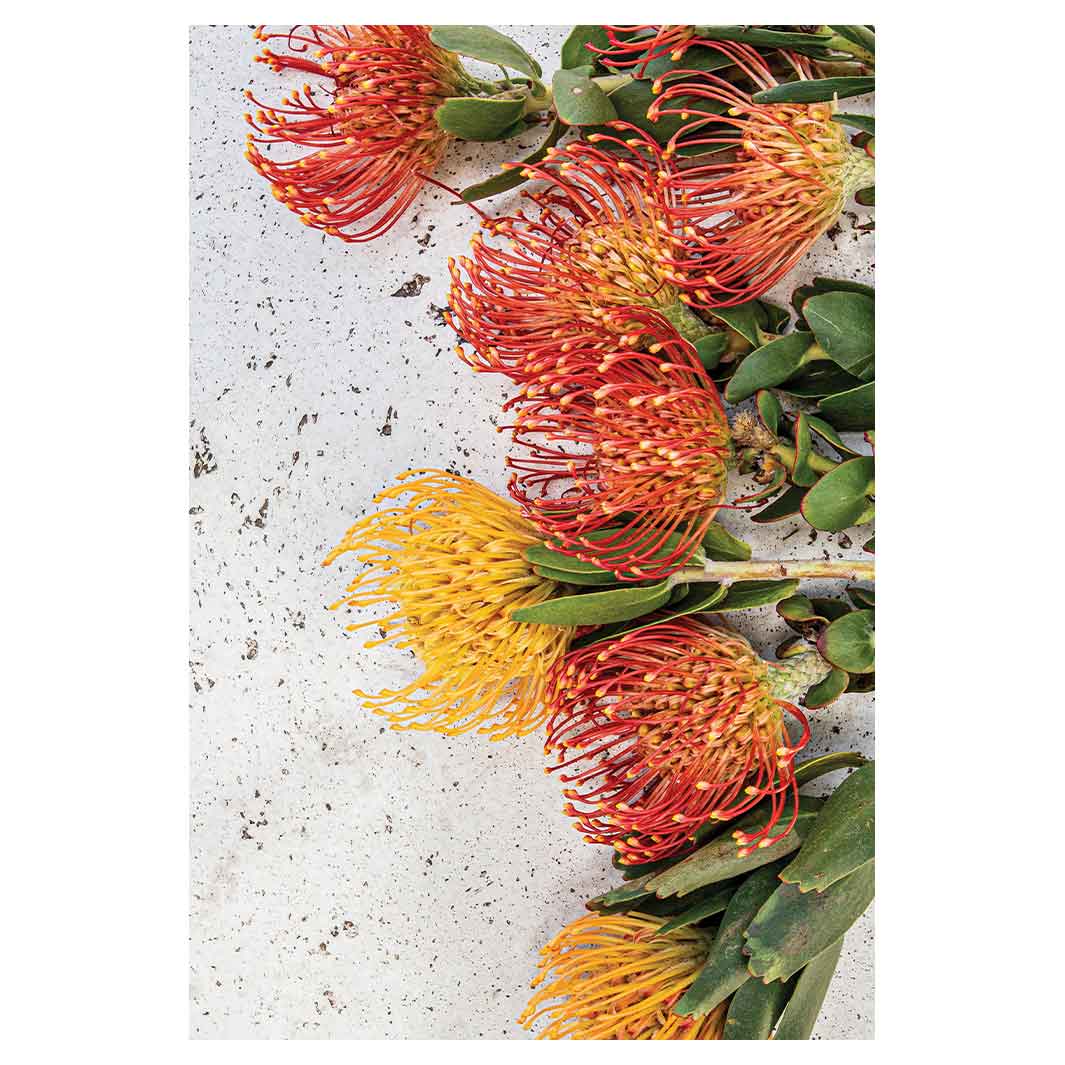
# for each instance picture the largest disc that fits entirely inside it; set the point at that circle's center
(765, 38)
(826, 432)
(694, 58)
(817, 378)
(721, 546)
(714, 903)
(574, 52)
(853, 410)
(768, 366)
(827, 690)
(844, 324)
(850, 642)
(743, 318)
(578, 100)
(512, 177)
(862, 36)
(866, 123)
(699, 598)
(812, 768)
(796, 608)
(478, 119)
(725, 968)
(802, 473)
(831, 284)
(806, 92)
(488, 45)
(862, 597)
(800, 1015)
(791, 928)
(711, 348)
(841, 497)
(841, 839)
(866, 197)
(746, 595)
(784, 506)
(720, 859)
(769, 410)
(597, 608)
(754, 1009)
(631, 892)
(599, 578)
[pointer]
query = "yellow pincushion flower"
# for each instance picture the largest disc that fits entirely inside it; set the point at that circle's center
(614, 979)
(451, 557)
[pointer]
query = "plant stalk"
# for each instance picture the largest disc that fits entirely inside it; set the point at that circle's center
(793, 569)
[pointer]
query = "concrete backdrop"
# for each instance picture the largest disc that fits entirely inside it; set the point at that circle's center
(349, 881)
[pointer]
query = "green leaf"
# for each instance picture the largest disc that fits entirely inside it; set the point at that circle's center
(791, 928)
(512, 177)
(725, 968)
(862, 36)
(699, 598)
(861, 597)
(630, 892)
(850, 642)
(720, 859)
(844, 324)
(820, 377)
(831, 284)
(486, 44)
(806, 92)
(802, 473)
(546, 555)
(599, 578)
(800, 1014)
(853, 410)
(769, 410)
(743, 318)
(478, 119)
(574, 52)
(827, 690)
(711, 348)
(721, 546)
(866, 123)
(578, 100)
(784, 506)
(866, 197)
(841, 497)
(827, 433)
(746, 595)
(597, 608)
(812, 768)
(754, 1009)
(714, 903)
(765, 38)
(841, 839)
(694, 58)
(768, 366)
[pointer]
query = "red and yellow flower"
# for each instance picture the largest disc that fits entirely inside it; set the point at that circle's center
(371, 134)
(451, 559)
(615, 977)
(661, 730)
(636, 443)
(604, 236)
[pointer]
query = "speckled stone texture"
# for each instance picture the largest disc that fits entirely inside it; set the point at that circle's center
(349, 881)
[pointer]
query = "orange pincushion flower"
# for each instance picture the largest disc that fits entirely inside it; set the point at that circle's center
(614, 977)
(785, 176)
(602, 239)
(372, 133)
(451, 559)
(665, 728)
(638, 444)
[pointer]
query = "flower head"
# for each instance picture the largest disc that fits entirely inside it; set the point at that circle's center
(785, 171)
(371, 134)
(636, 443)
(451, 558)
(614, 977)
(665, 728)
(601, 239)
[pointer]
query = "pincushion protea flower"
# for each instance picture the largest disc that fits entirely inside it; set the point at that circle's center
(637, 442)
(451, 558)
(636, 46)
(789, 174)
(372, 135)
(614, 977)
(663, 729)
(605, 236)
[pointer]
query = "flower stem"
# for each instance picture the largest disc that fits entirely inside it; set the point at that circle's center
(794, 569)
(685, 321)
(792, 677)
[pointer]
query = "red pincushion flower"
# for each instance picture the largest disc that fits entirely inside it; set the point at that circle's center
(662, 729)
(784, 176)
(637, 46)
(372, 133)
(638, 444)
(605, 235)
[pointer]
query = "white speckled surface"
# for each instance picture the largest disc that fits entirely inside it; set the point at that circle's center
(349, 881)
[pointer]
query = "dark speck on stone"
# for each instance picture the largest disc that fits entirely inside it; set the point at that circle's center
(413, 286)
